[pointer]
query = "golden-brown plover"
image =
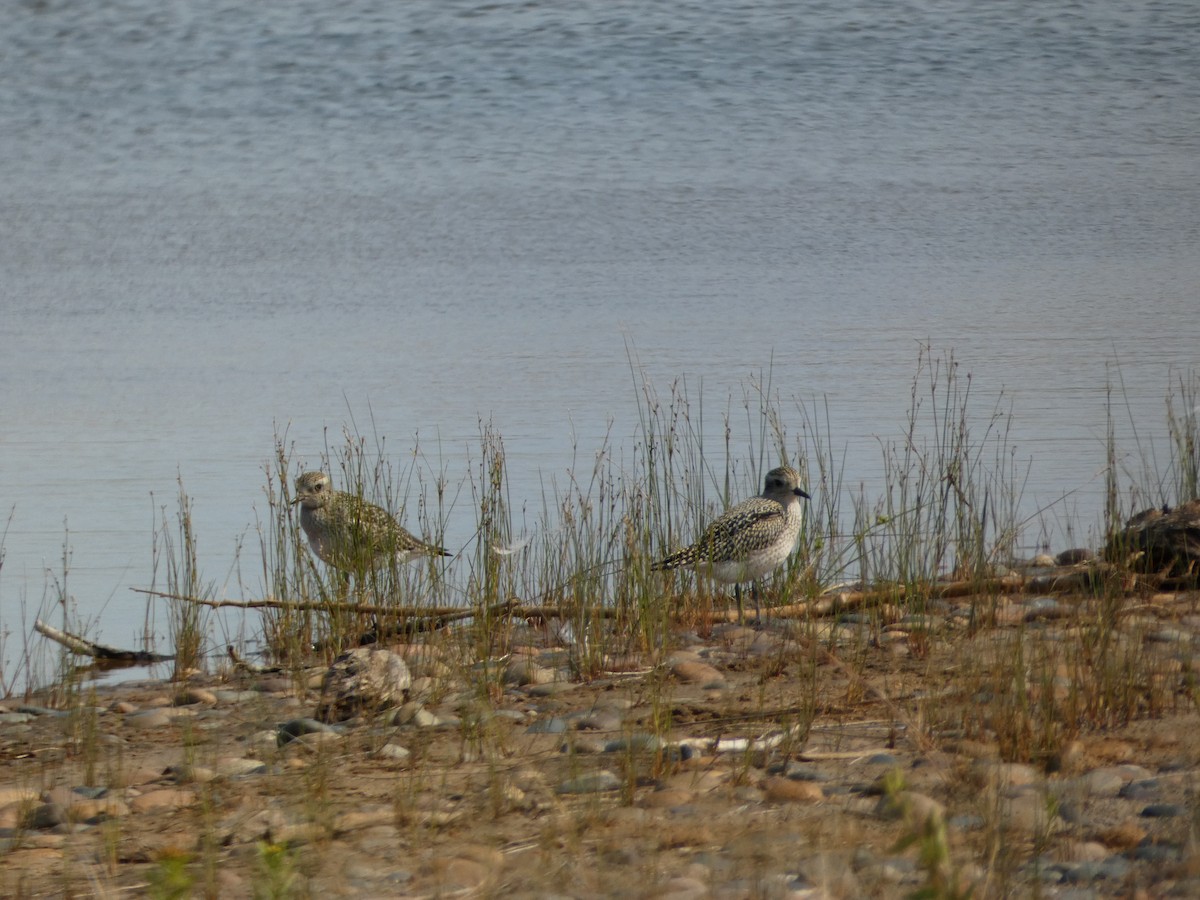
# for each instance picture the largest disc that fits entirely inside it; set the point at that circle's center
(350, 534)
(749, 540)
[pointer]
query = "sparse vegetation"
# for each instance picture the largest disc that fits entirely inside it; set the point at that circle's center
(903, 621)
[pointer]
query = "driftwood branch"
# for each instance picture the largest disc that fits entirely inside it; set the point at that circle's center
(100, 652)
(445, 614)
(420, 618)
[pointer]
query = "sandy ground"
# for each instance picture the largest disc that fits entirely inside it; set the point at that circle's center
(791, 759)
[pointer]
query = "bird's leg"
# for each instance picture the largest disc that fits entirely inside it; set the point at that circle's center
(737, 594)
(369, 594)
(343, 586)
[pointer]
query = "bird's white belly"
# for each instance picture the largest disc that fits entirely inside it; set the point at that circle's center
(760, 562)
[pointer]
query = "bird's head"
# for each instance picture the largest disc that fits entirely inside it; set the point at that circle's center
(312, 490)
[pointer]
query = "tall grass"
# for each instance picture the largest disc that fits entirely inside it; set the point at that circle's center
(952, 488)
(175, 549)
(948, 507)
(581, 554)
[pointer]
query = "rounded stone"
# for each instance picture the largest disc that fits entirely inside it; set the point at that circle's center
(597, 782)
(46, 815)
(698, 673)
(781, 789)
(164, 798)
(148, 719)
(394, 752)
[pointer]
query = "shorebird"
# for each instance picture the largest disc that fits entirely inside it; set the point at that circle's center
(750, 539)
(350, 534)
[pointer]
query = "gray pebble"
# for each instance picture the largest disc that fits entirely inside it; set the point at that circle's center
(1145, 789)
(150, 718)
(1074, 556)
(1162, 811)
(1112, 869)
(637, 742)
(882, 759)
(598, 720)
(43, 711)
(1156, 853)
(1046, 608)
(802, 772)
(552, 725)
(289, 731)
(394, 752)
(552, 688)
(47, 815)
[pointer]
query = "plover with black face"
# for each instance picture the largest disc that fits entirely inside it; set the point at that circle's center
(749, 540)
(350, 534)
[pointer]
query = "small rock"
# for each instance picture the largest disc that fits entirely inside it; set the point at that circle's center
(296, 727)
(1114, 868)
(191, 696)
(780, 789)
(237, 696)
(1031, 812)
(472, 870)
(151, 718)
(521, 671)
(595, 783)
(94, 811)
(1142, 789)
(46, 815)
(394, 752)
(552, 725)
(1157, 853)
(43, 711)
(315, 740)
(1046, 608)
(1074, 556)
(165, 798)
(358, 819)
(404, 713)
(184, 774)
(275, 684)
(1163, 811)
(698, 673)
(1106, 782)
(639, 742)
(423, 718)
(235, 766)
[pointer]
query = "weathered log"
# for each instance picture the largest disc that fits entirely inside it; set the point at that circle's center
(1161, 541)
(99, 652)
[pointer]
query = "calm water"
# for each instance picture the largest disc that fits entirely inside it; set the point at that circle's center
(222, 222)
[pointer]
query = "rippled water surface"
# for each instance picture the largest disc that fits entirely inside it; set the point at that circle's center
(227, 222)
